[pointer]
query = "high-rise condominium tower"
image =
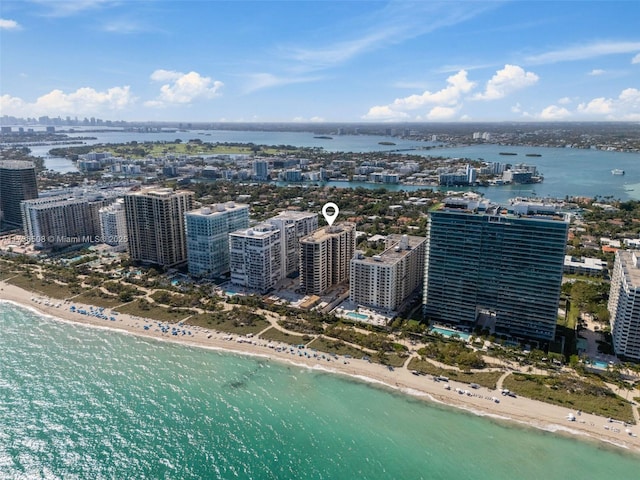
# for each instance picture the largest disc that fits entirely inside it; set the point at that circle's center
(387, 280)
(156, 226)
(17, 183)
(208, 232)
(624, 304)
(325, 257)
(497, 270)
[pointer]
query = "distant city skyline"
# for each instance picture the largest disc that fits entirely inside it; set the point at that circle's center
(358, 61)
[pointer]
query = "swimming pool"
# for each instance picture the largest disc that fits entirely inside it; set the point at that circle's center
(599, 364)
(449, 333)
(358, 316)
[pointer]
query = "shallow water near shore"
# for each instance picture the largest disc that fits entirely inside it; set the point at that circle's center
(80, 402)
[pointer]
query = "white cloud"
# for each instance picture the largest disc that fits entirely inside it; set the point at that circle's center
(581, 52)
(506, 81)
(11, 105)
(84, 101)
(599, 106)
(553, 112)
(312, 120)
(6, 24)
(625, 107)
(124, 26)
(596, 71)
(450, 96)
(516, 108)
(183, 88)
(636, 59)
(161, 75)
(67, 8)
(385, 112)
(259, 81)
(378, 28)
(442, 113)
(565, 101)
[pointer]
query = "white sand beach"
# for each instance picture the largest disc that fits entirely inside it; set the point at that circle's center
(480, 401)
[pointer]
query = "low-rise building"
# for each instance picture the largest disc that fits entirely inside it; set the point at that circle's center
(584, 265)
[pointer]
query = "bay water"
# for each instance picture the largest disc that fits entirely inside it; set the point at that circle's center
(567, 171)
(79, 402)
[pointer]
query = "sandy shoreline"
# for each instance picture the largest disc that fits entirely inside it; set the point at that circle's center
(519, 410)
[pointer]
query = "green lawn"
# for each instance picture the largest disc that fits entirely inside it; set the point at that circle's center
(44, 287)
(392, 359)
(338, 347)
(99, 299)
(486, 379)
(572, 393)
(228, 322)
(154, 312)
(275, 335)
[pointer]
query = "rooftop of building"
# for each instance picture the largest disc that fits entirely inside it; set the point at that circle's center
(217, 209)
(16, 164)
(516, 209)
(631, 265)
(585, 262)
(72, 197)
(328, 232)
(159, 192)
(294, 215)
(260, 230)
(398, 247)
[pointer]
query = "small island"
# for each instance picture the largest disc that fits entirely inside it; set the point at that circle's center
(386, 143)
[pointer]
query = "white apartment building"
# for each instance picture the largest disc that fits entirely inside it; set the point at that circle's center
(113, 225)
(208, 230)
(387, 280)
(63, 220)
(584, 265)
(255, 257)
(624, 304)
(156, 226)
(325, 257)
(293, 226)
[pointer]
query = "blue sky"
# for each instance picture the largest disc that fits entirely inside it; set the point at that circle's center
(322, 61)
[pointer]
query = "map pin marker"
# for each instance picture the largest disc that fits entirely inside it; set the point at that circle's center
(330, 217)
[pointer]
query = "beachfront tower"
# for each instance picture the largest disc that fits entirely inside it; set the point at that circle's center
(113, 225)
(70, 217)
(324, 257)
(256, 257)
(208, 230)
(624, 304)
(17, 183)
(495, 268)
(387, 280)
(293, 226)
(156, 226)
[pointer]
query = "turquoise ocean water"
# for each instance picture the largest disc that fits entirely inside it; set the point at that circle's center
(77, 402)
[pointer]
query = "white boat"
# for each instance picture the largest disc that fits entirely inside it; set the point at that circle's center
(617, 171)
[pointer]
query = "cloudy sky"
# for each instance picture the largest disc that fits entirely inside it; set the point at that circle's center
(331, 61)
